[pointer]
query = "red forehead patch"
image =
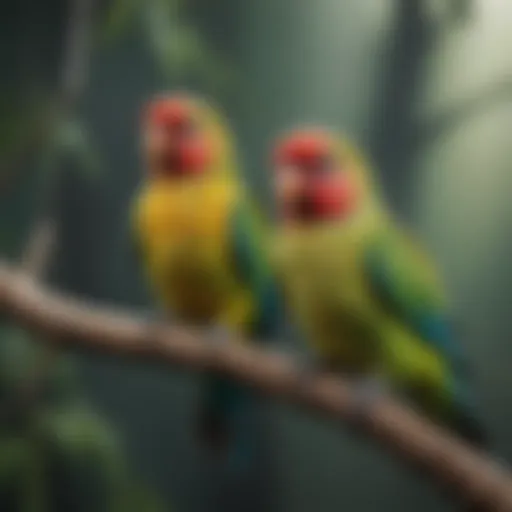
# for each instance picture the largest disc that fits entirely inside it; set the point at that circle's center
(168, 112)
(302, 147)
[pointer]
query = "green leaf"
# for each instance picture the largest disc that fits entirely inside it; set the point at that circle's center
(120, 16)
(137, 497)
(72, 139)
(76, 431)
(15, 453)
(18, 356)
(214, 70)
(178, 47)
(21, 121)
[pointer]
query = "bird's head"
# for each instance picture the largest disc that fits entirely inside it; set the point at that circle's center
(182, 138)
(318, 176)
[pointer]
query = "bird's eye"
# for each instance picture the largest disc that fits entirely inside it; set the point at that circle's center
(322, 164)
(186, 128)
(181, 127)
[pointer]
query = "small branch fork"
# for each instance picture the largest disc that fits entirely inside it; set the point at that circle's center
(35, 262)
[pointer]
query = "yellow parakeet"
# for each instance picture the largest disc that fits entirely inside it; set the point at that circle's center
(201, 242)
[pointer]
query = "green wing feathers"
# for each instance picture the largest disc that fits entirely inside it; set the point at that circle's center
(250, 259)
(404, 280)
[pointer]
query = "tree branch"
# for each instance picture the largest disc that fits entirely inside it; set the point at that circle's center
(72, 323)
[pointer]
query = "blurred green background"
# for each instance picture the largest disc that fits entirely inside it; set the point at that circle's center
(424, 85)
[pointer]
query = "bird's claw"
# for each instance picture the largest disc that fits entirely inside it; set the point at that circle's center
(219, 335)
(307, 368)
(156, 320)
(367, 391)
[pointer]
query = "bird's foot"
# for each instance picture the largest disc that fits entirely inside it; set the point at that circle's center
(156, 321)
(367, 391)
(219, 335)
(217, 338)
(308, 367)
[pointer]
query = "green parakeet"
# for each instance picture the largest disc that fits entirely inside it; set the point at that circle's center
(363, 291)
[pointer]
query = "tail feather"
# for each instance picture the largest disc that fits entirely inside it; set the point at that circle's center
(221, 425)
(213, 431)
(471, 429)
(466, 418)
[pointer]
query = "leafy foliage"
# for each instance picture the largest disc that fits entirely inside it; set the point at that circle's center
(119, 16)
(180, 52)
(57, 454)
(178, 47)
(72, 139)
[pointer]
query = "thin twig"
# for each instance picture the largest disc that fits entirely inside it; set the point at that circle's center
(75, 324)
(38, 250)
(35, 263)
(77, 49)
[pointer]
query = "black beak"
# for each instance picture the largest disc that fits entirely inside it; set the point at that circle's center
(171, 161)
(304, 207)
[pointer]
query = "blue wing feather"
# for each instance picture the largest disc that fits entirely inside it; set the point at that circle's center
(250, 261)
(227, 401)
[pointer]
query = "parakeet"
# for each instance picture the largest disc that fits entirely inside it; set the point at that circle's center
(361, 288)
(203, 244)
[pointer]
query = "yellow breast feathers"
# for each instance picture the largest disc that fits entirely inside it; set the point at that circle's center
(182, 228)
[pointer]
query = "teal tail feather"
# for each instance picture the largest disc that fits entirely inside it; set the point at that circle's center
(224, 418)
(466, 419)
(469, 426)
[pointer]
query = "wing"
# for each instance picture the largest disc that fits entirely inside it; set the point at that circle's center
(403, 280)
(250, 259)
